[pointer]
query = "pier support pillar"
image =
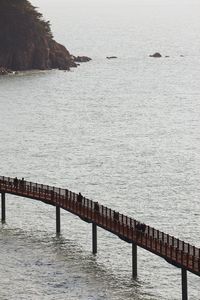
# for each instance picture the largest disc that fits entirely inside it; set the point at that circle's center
(3, 208)
(94, 238)
(184, 284)
(134, 260)
(57, 219)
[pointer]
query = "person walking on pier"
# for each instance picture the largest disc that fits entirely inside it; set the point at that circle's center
(79, 198)
(22, 183)
(96, 207)
(140, 227)
(15, 181)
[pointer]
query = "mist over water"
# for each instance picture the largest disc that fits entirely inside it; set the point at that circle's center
(123, 132)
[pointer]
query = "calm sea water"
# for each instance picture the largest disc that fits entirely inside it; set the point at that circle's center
(124, 132)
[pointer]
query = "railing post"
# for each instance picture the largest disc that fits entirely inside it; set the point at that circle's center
(193, 262)
(134, 260)
(86, 201)
(66, 194)
(148, 229)
(94, 238)
(184, 284)
(57, 219)
(168, 239)
(3, 208)
(59, 195)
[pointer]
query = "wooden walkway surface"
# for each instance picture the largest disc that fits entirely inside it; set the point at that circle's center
(173, 250)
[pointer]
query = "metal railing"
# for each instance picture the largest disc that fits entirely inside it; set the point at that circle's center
(172, 249)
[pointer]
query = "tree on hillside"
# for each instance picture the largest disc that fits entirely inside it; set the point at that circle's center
(19, 21)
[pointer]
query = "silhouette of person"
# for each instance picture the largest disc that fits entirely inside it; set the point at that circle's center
(96, 206)
(22, 182)
(15, 182)
(79, 198)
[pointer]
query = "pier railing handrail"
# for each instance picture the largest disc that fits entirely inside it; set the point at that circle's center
(175, 251)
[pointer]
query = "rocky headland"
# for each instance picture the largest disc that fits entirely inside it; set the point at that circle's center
(26, 41)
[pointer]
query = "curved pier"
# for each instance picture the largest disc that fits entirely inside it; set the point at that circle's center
(173, 250)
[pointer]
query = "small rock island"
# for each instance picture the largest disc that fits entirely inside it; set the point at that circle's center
(157, 55)
(26, 41)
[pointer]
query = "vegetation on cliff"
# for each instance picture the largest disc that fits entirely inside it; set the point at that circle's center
(26, 40)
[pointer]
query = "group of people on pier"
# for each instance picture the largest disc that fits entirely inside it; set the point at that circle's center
(140, 227)
(80, 199)
(18, 182)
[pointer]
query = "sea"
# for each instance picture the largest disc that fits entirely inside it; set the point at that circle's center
(124, 132)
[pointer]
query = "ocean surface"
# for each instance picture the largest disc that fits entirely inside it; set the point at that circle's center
(124, 132)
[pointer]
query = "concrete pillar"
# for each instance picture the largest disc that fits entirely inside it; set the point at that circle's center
(184, 284)
(94, 238)
(57, 219)
(134, 260)
(3, 208)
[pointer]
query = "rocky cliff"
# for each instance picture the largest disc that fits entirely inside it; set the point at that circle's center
(26, 41)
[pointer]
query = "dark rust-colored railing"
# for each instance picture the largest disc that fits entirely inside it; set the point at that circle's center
(175, 251)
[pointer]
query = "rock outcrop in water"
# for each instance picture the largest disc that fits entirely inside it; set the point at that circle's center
(157, 54)
(81, 59)
(111, 57)
(26, 41)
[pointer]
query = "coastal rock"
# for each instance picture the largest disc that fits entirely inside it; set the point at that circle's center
(58, 56)
(157, 54)
(26, 41)
(4, 71)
